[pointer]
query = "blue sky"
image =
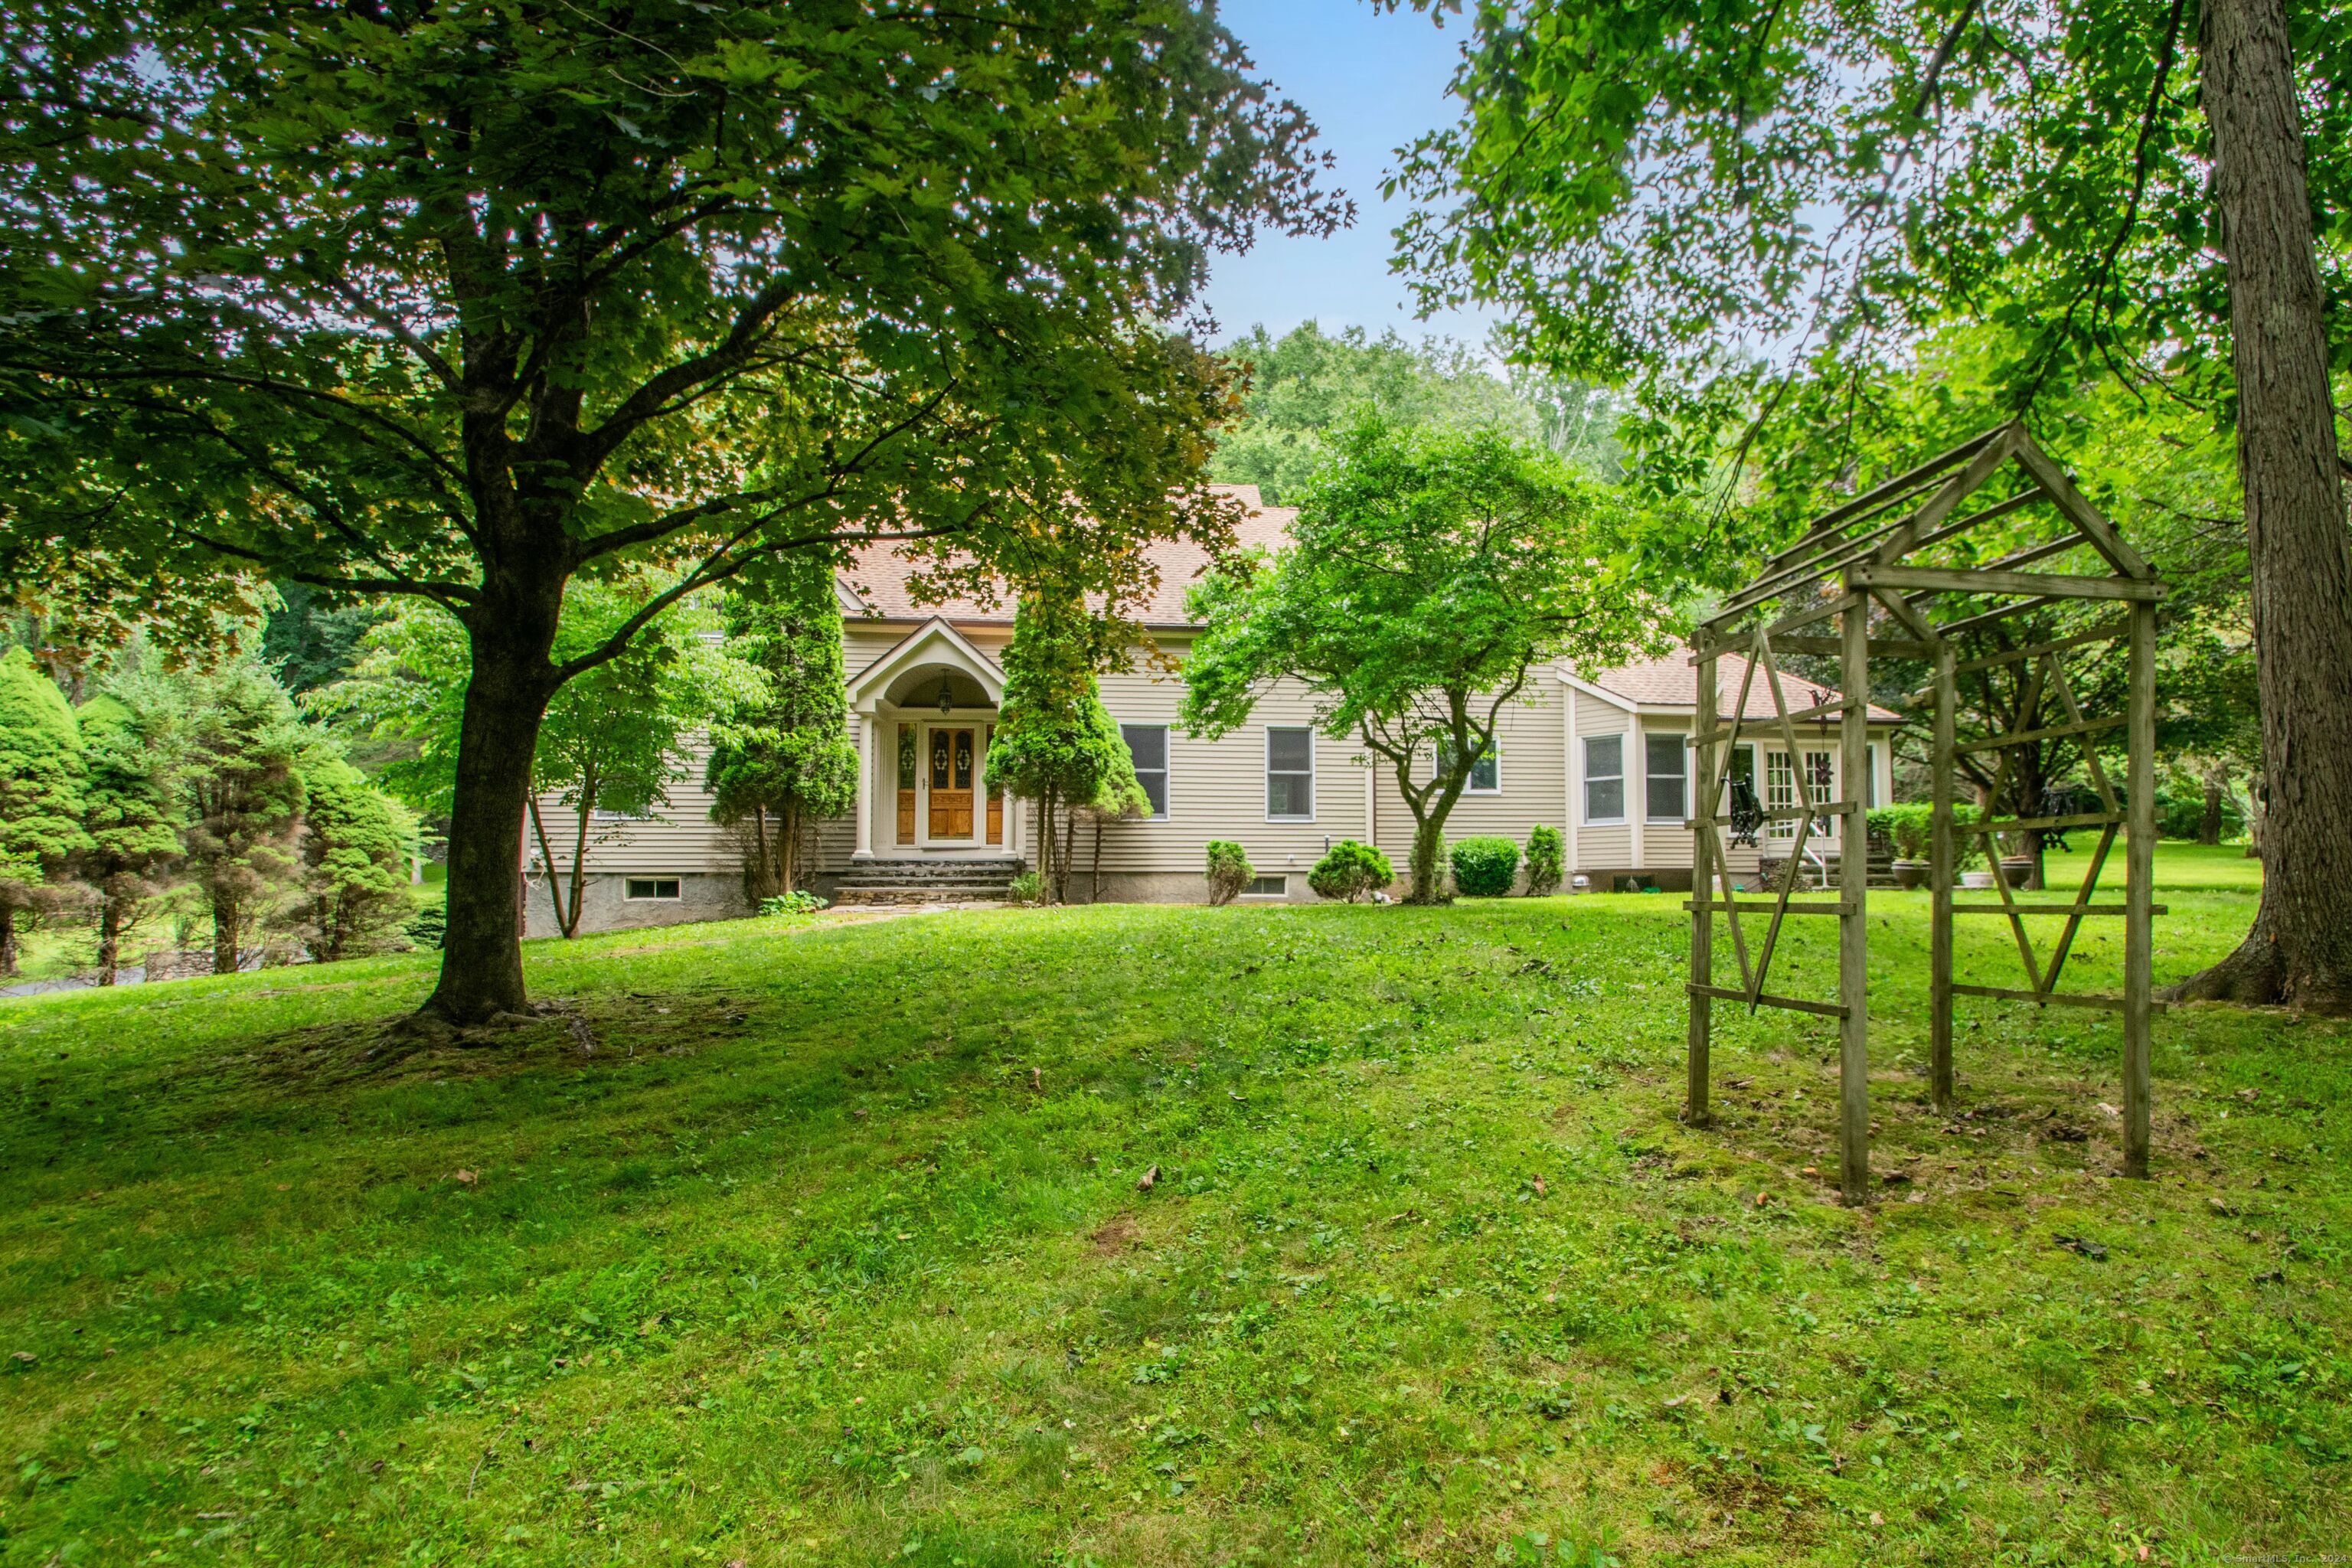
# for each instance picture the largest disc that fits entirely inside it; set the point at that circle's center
(1371, 82)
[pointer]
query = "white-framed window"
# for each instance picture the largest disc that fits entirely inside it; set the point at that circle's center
(1146, 746)
(638, 888)
(600, 814)
(1269, 887)
(1289, 774)
(1604, 778)
(1780, 790)
(1666, 777)
(1486, 773)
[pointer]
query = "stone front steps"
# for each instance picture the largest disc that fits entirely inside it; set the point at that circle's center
(906, 881)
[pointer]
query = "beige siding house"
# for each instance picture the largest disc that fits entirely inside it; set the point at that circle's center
(1602, 756)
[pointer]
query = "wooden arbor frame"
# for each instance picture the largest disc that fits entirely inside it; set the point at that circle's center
(1891, 556)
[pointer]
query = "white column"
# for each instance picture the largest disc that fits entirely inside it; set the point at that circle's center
(865, 723)
(1637, 792)
(1568, 771)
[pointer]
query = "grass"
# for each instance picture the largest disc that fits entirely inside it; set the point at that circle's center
(836, 1249)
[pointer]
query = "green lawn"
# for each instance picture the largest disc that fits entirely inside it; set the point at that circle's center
(833, 1250)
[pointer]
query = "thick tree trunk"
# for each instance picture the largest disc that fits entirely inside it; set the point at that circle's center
(2209, 830)
(2299, 949)
(505, 699)
(225, 924)
(1428, 849)
(788, 846)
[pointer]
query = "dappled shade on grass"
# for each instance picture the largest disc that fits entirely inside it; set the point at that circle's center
(831, 1249)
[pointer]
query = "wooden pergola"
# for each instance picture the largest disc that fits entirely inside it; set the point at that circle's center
(1894, 575)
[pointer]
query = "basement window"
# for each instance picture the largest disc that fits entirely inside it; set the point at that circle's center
(650, 888)
(1269, 887)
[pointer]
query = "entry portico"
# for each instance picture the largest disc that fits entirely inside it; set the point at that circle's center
(925, 710)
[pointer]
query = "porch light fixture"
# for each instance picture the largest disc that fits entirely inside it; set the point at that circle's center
(947, 695)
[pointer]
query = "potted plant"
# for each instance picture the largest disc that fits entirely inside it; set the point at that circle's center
(1907, 827)
(2016, 869)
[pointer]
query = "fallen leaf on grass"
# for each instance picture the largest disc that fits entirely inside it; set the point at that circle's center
(2082, 1247)
(1149, 1179)
(465, 1178)
(1539, 1186)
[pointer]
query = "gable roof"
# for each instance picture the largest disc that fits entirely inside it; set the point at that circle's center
(935, 641)
(1670, 682)
(878, 580)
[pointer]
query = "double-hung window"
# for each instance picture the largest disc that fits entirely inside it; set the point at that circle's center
(1147, 745)
(1486, 773)
(1289, 774)
(1665, 778)
(1604, 778)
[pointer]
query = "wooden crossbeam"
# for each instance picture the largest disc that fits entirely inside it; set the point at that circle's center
(1954, 628)
(1766, 999)
(2080, 512)
(1960, 525)
(2107, 633)
(2026, 908)
(1985, 580)
(1827, 647)
(1695, 905)
(2058, 998)
(2050, 732)
(2028, 824)
(1901, 484)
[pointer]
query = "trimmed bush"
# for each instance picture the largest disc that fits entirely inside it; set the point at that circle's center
(1546, 860)
(1229, 871)
(1912, 830)
(1484, 868)
(1908, 827)
(1349, 871)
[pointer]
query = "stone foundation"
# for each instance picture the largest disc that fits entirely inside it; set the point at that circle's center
(702, 895)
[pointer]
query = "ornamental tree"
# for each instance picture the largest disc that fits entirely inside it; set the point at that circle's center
(40, 792)
(132, 814)
(780, 758)
(464, 303)
(240, 748)
(1055, 743)
(356, 844)
(1750, 211)
(1427, 576)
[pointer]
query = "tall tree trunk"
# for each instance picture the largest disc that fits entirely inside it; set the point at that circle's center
(1068, 856)
(2209, 829)
(110, 935)
(788, 844)
(2299, 949)
(547, 858)
(505, 699)
(8, 940)
(1094, 877)
(225, 924)
(579, 874)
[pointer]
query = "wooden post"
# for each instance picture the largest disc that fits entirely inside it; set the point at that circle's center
(1854, 918)
(1703, 890)
(1942, 872)
(2140, 929)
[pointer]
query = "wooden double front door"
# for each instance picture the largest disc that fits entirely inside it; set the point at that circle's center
(952, 765)
(947, 761)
